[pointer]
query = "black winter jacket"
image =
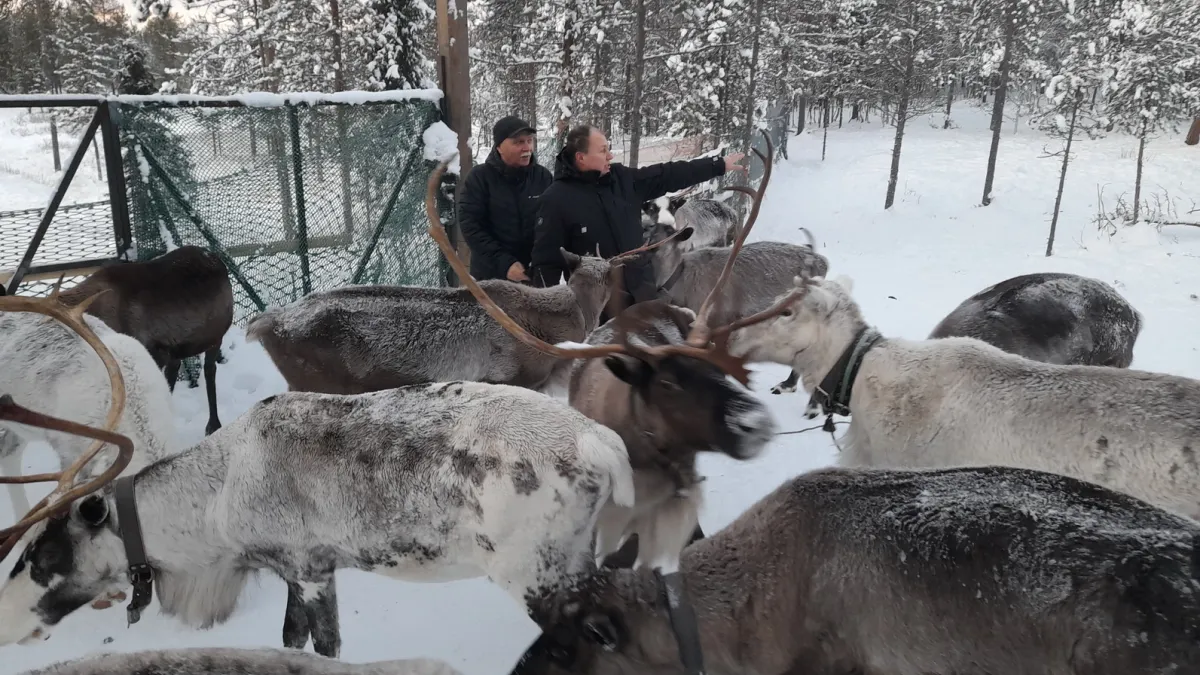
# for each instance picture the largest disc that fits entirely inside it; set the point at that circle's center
(583, 211)
(497, 213)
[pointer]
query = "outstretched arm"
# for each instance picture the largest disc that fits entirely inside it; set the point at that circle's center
(656, 180)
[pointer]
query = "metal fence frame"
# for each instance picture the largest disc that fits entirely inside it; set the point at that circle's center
(106, 120)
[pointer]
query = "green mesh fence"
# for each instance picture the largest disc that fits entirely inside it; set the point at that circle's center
(294, 198)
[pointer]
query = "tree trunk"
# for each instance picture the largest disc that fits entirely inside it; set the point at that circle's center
(949, 102)
(901, 119)
(1010, 32)
(54, 142)
(1193, 135)
(639, 72)
(1062, 175)
(339, 79)
(566, 89)
(1137, 182)
(752, 86)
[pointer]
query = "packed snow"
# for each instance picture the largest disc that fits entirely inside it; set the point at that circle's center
(911, 265)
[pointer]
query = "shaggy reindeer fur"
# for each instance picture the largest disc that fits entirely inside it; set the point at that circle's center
(366, 338)
(665, 414)
(989, 570)
(713, 222)
(177, 305)
(49, 368)
(229, 661)
(1050, 317)
(961, 401)
(425, 483)
(762, 271)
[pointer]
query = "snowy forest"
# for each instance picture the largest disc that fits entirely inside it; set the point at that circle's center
(650, 68)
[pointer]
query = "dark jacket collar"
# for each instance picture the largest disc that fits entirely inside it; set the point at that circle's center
(510, 172)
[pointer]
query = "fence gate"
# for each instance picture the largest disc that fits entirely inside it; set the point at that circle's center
(294, 196)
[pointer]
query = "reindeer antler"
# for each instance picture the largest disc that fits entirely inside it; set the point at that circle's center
(701, 332)
(66, 492)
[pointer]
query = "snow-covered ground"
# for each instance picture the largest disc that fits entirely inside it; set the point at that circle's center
(911, 265)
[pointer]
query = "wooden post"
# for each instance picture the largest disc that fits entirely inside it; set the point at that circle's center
(1193, 135)
(454, 77)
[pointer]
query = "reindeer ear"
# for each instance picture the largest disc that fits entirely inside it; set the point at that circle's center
(603, 630)
(686, 234)
(573, 260)
(628, 369)
(93, 510)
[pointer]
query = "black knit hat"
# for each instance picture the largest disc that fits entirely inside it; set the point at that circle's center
(508, 127)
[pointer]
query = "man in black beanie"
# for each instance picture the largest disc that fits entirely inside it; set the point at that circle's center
(499, 203)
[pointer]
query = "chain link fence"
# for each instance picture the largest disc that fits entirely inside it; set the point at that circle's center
(293, 198)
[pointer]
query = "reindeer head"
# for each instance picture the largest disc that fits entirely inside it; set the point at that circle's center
(685, 401)
(54, 576)
(578, 624)
(814, 331)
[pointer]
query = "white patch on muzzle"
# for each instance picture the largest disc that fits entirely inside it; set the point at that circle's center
(665, 217)
(756, 427)
(19, 623)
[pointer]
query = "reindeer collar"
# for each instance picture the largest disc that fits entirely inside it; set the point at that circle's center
(833, 394)
(673, 279)
(141, 574)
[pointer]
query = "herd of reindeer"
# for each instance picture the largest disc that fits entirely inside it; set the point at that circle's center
(1010, 498)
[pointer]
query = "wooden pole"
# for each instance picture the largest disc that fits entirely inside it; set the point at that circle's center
(454, 77)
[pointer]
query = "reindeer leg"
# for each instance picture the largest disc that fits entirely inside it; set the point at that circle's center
(210, 384)
(172, 373)
(295, 620)
(320, 605)
(787, 386)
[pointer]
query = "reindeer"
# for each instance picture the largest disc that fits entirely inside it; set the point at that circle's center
(712, 221)
(1050, 317)
(939, 572)
(961, 401)
(366, 338)
(51, 366)
(177, 305)
(229, 661)
(667, 395)
(428, 483)
(685, 269)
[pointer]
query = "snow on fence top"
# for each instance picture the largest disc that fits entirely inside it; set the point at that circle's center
(256, 99)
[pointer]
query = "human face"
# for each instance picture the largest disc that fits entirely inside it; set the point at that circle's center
(517, 151)
(597, 157)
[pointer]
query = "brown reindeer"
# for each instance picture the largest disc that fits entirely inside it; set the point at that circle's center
(177, 305)
(971, 570)
(665, 393)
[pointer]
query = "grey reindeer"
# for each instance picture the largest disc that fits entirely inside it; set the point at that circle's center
(961, 401)
(366, 338)
(1052, 317)
(938, 572)
(230, 661)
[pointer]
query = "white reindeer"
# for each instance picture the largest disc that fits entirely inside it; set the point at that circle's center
(960, 401)
(51, 369)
